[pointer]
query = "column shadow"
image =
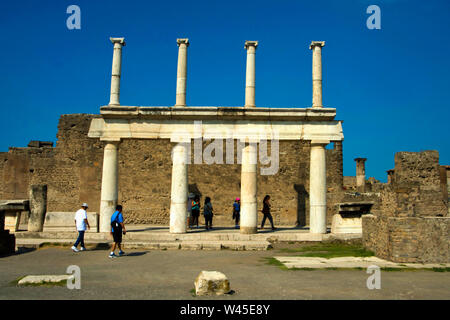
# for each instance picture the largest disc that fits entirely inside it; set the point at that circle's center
(302, 194)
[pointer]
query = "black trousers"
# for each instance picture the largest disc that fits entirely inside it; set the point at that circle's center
(267, 216)
(208, 221)
(237, 216)
(195, 215)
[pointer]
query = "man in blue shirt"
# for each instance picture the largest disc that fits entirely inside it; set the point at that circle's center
(237, 211)
(117, 228)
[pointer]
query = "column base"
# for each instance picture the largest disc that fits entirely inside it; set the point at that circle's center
(248, 230)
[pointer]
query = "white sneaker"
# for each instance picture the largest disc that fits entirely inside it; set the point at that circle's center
(75, 249)
(83, 249)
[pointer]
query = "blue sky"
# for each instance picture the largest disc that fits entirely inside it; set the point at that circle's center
(390, 86)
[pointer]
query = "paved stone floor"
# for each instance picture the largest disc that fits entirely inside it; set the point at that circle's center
(170, 275)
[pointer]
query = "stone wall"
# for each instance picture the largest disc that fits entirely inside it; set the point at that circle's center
(408, 239)
(413, 223)
(72, 171)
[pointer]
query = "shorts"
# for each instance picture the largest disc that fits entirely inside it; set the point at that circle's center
(117, 235)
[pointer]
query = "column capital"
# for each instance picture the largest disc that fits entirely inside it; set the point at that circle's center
(318, 143)
(118, 40)
(316, 43)
(183, 41)
(115, 141)
(360, 160)
(250, 44)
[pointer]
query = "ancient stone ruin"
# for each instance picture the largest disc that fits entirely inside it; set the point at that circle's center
(148, 160)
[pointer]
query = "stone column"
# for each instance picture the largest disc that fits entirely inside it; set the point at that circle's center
(318, 188)
(181, 72)
(109, 193)
(38, 207)
(316, 47)
(390, 177)
(116, 68)
(249, 211)
(250, 46)
(179, 191)
(360, 174)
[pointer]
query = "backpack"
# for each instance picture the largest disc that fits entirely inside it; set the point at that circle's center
(115, 224)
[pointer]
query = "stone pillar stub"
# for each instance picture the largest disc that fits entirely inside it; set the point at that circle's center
(316, 47)
(318, 187)
(250, 46)
(179, 188)
(116, 71)
(249, 211)
(390, 177)
(360, 174)
(110, 188)
(38, 207)
(183, 44)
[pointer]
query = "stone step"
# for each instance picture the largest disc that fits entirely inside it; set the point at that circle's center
(154, 245)
(191, 236)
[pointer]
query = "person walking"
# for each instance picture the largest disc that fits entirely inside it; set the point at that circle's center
(81, 222)
(117, 229)
(195, 210)
(189, 209)
(266, 212)
(237, 211)
(208, 213)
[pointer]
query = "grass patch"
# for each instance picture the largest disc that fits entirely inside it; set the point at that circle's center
(193, 292)
(274, 262)
(330, 250)
(445, 269)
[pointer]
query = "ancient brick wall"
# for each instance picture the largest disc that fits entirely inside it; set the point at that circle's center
(417, 183)
(73, 168)
(412, 223)
(408, 239)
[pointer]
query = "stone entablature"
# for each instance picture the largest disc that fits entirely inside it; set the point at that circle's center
(216, 123)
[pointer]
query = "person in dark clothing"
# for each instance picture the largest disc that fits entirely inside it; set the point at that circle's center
(208, 213)
(195, 210)
(237, 211)
(266, 212)
(117, 229)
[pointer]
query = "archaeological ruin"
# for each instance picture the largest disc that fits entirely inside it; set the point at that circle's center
(150, 158)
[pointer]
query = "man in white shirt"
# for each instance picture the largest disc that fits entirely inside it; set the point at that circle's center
(81, 222)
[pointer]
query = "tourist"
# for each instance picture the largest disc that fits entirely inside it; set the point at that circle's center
(208, 213)
(237, 211)
(81, 222)
(266, 212)
(117, 228)
(189, 209)
(195, 210)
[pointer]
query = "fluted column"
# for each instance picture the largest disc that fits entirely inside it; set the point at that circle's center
(179, 191)
(116, 70)
(109, 193)
(318, 188)
(181, 72)
(316, 47)
(250, 46)
(249, 212)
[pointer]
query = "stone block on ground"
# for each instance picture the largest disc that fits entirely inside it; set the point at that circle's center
(42, 279)
(211, 283)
